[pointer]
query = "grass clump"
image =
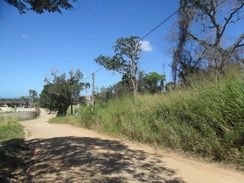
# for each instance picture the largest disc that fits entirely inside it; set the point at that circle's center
(10, 129)
(207, 119)
(70, 119)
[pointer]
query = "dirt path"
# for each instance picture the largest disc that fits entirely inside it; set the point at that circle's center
(63, 153)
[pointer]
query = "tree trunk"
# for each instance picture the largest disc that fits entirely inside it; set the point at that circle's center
(71, 109)
(134, 85)
(62, 110)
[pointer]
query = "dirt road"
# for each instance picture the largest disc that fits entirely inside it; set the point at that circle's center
(63, 153)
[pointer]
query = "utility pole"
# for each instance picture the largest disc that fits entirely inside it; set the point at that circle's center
(30, 99)
(93, 91)
(87, 95)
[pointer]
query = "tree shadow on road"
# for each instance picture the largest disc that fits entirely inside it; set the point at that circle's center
(83, 159)
(13, 156)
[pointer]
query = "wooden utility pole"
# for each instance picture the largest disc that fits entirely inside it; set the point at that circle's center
(93, 91)
(30, 99)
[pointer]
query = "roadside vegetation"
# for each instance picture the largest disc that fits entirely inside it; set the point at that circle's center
(68, 119)
(206, 119)
(61, 92)
(10, 129)
(12, 149)
(199, 111)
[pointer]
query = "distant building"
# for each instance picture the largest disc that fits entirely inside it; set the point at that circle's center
(13, 102)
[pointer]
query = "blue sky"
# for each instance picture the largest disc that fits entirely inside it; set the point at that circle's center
(32, 45)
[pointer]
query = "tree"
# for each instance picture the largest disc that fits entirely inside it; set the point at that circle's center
(195, 52)
(40, 6)
(32, 97)
(141, 83)
(154, 82)
(183, 63)
(82, 100)
(125, 59)
(62, 92)
(217, 16)
(75, 86)
(47, 99)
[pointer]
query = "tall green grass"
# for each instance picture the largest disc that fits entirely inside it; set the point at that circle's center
(10, 129)
(207, 119)
(73, 120)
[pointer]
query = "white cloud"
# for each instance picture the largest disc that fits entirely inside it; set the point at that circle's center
(146, 46)
(24, 36)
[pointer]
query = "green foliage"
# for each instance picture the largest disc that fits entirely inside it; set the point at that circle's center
(149, 83)
(126, 53)
(64, 119)
(154, 82)
(40, 6)
(60, 93)
(47, 99)
(169, 86)
(206, 119)
(125, 59)
(82, 100)
(10, 129)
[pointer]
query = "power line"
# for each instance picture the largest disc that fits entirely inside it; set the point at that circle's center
(161, 23)
(108, 79)
(93, 91)
(149, 59)
(147, 34)
(145, 60)
(166, 19)
(87, 77)
(143, 37)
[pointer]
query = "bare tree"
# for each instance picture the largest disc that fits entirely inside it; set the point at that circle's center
(183, 63)
(209, 14)
(195, 51)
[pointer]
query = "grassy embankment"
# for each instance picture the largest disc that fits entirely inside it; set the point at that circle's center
(207, 120)
(10, 129)
(12, 148)
(15, 153)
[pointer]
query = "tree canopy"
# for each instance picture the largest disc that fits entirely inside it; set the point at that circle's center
(154, 82)
(48, 99)
(125, 59)
(40, 6)
(61, 92)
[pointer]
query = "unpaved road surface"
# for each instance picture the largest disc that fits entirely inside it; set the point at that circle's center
(63, 153)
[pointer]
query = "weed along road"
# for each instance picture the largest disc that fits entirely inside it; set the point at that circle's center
(63, 153)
